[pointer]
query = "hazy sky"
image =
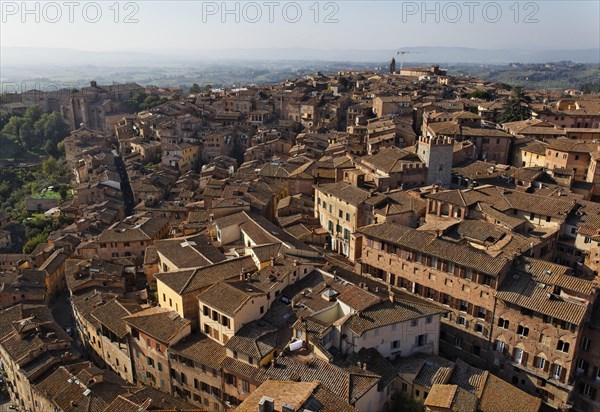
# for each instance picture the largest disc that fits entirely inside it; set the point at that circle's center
(196, 25)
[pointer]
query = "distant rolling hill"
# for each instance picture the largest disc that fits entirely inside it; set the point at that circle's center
(17, 56)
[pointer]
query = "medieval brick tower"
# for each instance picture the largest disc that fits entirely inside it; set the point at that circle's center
(436, 153)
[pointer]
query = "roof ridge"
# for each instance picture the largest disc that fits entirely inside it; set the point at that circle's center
(502, 194)
(452, 367)
(395, 161)
(121, 305)
(348, 388)
(462, 197)
(484, 381)
(186, 284)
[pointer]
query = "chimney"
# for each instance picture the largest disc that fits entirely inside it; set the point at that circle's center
(242, 276)
(97, 378)
(392, 296)
(364, 366)
(286, 407)
(93, 84)
(266, 404)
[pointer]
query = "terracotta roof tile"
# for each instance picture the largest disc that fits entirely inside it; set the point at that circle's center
(229, 297)
(189, 252)
(467, 377)
(536, 291)
(387, 313)
(499, 396)
(193, 280)
(112, 313)
(201, 349)
(160, 323)
(416, 240)
(349, 385)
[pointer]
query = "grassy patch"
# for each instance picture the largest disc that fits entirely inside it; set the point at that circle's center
(48, 194)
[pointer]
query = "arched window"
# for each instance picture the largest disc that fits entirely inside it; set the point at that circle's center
(563, 346)
(522, 330)
(558, 372)
(540, 362)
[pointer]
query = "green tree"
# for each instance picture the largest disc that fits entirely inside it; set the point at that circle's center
(50, 148)
(64, 191)
(133, 103)
(151, 101)
(53, 127)
(238, 151)
(65, 221)
(516, 107)
(28, 136)
(591, 87)
(480, 94)
(36, 130)
(402, 402)
(50, 167)
(195, 88)
(33, 113)
(13, 127)
(34, 242)
(4, 118)
(143, 101)
(504, 86)
(152, 293)
(5, 189)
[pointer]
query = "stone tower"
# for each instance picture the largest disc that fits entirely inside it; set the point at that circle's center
(436, 153)
(393, 66)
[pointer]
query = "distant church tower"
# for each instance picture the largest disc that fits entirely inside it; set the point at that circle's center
(393, 66)
(436, 153)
